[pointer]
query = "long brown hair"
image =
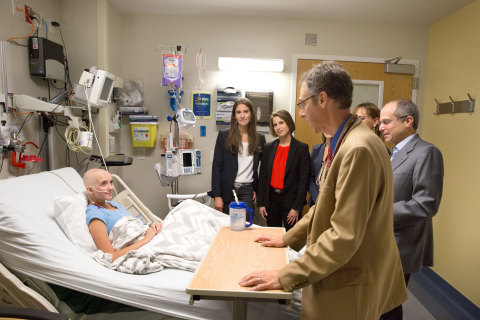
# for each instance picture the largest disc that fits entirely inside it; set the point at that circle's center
(373, 111)
(234, 139)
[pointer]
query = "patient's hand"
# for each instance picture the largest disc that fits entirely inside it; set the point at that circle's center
(267, 240)
(157, 227)
(149, 234)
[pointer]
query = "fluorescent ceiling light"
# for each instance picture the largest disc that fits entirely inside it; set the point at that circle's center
(250, 64)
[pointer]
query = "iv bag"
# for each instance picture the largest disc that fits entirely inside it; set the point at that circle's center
(172, 69)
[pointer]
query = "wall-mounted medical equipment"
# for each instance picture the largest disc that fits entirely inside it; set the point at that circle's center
(22, 158)
(144, 130)
(180, 163)
(178, 159)
(175, 98)
(185, 118)
(95, 87)
(46, 58)
(198, 161)
(172, 69)
(26, 102)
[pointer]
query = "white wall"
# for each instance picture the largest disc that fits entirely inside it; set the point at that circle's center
(237, 37)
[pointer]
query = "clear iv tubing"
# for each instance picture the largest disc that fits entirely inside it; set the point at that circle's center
(201, 62)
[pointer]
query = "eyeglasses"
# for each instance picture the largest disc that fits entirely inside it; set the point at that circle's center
(301, 104)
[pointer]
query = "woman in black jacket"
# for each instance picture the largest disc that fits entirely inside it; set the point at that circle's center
(283, 179)
(236, 157)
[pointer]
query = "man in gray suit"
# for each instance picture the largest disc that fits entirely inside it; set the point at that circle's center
(418, 181)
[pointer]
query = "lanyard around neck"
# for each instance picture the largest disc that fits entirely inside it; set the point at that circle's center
(330, 155)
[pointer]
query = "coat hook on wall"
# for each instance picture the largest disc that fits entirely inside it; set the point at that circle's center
(463, 106)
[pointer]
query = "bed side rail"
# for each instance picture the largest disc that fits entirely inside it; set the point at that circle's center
(133, 204)
(15, 294)
(179, 197)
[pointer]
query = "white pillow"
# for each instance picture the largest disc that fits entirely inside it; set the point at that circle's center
(69, 211)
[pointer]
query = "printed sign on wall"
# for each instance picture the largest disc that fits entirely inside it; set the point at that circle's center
(201, 104)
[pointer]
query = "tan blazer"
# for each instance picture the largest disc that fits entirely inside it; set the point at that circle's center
(351, 268)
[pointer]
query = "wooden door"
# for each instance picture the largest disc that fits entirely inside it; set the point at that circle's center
(396, 86)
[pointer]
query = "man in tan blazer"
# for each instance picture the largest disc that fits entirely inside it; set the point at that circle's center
(351, 267)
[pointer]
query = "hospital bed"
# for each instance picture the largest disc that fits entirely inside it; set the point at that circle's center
(34, 250)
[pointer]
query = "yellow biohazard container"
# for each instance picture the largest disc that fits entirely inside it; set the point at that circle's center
(144, 133)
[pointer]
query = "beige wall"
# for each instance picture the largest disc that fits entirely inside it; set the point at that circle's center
(453, 70)
(238, 37)
(79, 27)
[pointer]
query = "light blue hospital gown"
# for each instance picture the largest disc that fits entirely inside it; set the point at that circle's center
(109, 217)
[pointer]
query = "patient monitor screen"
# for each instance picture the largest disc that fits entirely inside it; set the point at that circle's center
(188, 115)
(187, 159)
(107, 86)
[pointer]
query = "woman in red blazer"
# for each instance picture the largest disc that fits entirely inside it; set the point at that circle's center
(283, 177)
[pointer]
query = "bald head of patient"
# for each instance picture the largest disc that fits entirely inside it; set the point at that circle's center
(99, 185)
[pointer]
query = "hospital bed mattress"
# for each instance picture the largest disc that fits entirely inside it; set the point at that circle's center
(33, 244)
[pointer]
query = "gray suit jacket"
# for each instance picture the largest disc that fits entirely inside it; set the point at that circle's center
(418, 183)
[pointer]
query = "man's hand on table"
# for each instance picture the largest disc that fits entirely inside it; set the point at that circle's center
(261, 280)
(264, 280)
(268, 240)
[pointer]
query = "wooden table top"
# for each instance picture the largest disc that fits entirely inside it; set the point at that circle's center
(232, 255)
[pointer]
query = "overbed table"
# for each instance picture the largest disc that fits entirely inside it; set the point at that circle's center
(232, 255)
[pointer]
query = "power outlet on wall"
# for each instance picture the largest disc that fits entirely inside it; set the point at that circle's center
(16, 4)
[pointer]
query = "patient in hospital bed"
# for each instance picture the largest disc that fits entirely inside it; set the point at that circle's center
(102, 214)
(126, 244)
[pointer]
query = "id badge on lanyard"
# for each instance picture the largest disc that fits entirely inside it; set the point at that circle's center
(328, 156)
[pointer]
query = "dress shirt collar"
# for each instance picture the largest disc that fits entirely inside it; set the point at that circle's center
(404, 142)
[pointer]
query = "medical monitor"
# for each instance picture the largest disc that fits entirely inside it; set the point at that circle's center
(102, 88)
(187, 162)
(186, 118)
(95, 84)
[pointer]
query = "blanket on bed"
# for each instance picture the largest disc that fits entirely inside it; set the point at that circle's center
(187, 233)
